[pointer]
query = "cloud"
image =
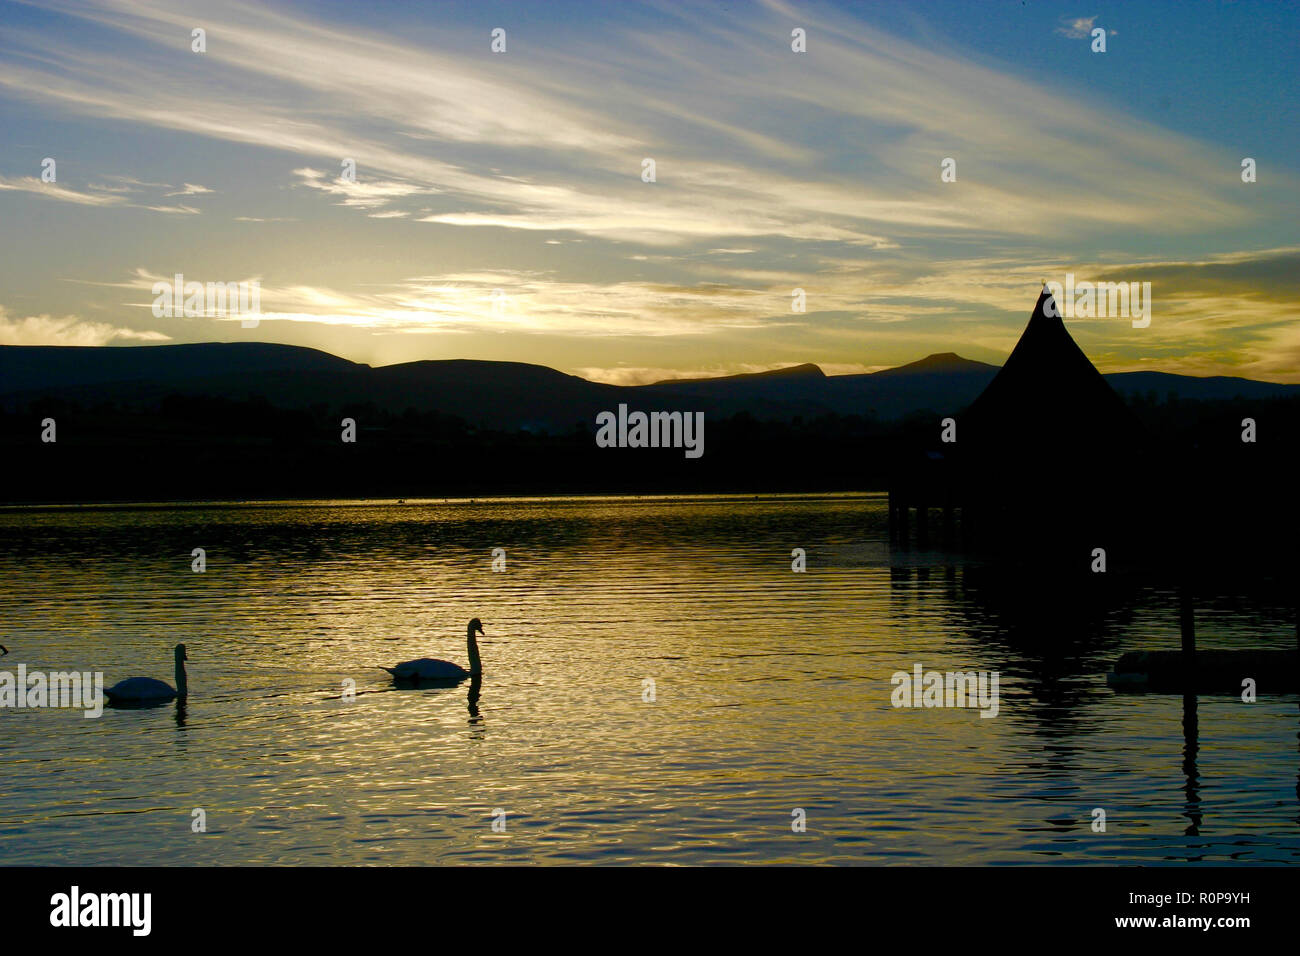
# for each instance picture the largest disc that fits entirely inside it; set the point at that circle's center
(363, 193)
(189, 189)
(1079, 28)
(116, 193)
(646, 375)
(554, 142)
(520, 301)
(67, 330)
(31, 184)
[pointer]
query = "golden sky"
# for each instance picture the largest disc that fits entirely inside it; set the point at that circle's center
(499, 209)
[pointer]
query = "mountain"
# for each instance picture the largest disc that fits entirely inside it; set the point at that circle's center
(516, 395)
(254, 420)
(24, 367)
(807, 370)
(941, 363)
(1212, 388)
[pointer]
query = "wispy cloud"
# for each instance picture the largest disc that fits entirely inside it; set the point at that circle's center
(31, 184)
(119, 192)
(189, 189)
(66, 330)
(577, 117)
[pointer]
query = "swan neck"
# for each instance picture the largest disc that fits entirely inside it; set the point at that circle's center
(182, 685)
(475, 665)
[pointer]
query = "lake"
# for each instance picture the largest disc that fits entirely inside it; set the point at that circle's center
(659, 687)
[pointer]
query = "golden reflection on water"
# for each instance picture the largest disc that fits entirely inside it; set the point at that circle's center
(771, 692)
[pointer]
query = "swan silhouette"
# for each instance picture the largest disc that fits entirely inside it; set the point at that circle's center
(427, 668)
(146, 690)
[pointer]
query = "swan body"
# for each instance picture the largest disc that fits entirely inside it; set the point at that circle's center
(140, 688)
(147, 690)
(427, 668)
(432, 669)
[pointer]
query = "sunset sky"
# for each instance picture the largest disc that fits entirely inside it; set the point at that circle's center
(521, 171)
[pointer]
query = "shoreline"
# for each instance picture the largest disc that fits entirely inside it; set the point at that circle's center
(7, 507)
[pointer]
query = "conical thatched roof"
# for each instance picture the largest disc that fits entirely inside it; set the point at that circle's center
(1049, 400)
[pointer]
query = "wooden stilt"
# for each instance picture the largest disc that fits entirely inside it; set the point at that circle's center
(1187, 625)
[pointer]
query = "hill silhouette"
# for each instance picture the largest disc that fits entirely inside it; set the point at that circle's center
(252, 420)
(509, 395)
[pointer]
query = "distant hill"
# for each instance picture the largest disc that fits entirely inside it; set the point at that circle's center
(516, 395)
(792, 371)
(254, 420)
(24, 367)
(1211, 388)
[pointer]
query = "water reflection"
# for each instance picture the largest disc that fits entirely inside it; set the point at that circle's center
(475, 718)
(1191, 747)
(772, 692)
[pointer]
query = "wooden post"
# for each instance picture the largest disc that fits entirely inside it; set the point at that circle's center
(1187, 625)
(922, 522)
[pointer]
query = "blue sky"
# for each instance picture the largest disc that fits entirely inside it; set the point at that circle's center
(521, 172)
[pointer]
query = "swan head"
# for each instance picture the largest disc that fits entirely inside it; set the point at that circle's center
(3, 650)
(476, 625)
(180, 653)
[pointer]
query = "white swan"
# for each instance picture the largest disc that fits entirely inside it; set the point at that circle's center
(427, 668)
(147, 690)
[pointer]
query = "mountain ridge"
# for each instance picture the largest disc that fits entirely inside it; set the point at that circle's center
(509, 395)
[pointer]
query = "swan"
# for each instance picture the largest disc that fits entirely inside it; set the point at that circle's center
(427, 668)
(148, 690)
(3, 650)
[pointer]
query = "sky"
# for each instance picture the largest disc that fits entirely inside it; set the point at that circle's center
(500, 211)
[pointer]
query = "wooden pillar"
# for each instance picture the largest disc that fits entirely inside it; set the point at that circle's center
(922, 522)
(1187, 625)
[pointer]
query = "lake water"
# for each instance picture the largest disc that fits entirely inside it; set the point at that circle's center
(771, 694)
